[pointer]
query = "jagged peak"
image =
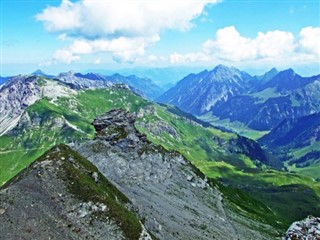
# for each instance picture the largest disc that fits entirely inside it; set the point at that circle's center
(287, 72)
(223, 69)
(69, 73)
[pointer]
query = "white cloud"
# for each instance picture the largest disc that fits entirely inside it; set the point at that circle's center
(270, 47)
(105, 18)
(310, 40)
(65, 56)
(123, 49)
(63, 18)
(124, 28)
(274, 44)
(230, 45)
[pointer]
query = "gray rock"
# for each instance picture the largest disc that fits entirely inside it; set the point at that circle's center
(307, 229)
(156, 181)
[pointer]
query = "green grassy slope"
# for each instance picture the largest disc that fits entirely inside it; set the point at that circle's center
(216, 153)
(66, 120)
(276, 190)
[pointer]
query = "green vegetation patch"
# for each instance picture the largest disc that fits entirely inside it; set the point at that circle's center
(66, 120)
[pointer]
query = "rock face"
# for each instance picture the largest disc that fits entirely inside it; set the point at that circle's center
(197, 93)
(81, 82)
(173, 201)
(260, 102)
(22, 91)
(63, 196)
(307, 229)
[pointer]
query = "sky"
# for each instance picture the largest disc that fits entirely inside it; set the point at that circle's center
(57, 36)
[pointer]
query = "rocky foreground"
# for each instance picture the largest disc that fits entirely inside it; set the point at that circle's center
(133, 190)
(307, 229)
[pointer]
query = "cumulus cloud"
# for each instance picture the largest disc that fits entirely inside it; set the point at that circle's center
(273, 46)
(65, 56)
(105, 18)
(124, 28)
(310, 40)
(230, 45)
(123, 49)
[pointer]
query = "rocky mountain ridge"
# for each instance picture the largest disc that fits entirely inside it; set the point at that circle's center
(65, 196)
(22, 91)
(260, 102)
(197, 93)
(174, 201)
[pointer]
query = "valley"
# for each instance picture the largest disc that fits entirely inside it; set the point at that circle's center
(259, 172)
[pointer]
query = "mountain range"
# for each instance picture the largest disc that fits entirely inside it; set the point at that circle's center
(283, 104)
(259, 102)
(150, 169)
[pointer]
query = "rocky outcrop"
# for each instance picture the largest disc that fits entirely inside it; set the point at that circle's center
(80, 82)
(22, 91)
(307, 229)
(173, 201)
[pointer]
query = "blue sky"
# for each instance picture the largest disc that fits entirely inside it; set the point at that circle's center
(257, 35)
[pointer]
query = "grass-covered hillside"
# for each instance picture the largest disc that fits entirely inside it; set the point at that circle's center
(212, 151)
(47, 123)
(263, 193)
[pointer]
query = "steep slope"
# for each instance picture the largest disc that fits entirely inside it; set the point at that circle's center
(63, 196)
(231, 160)
(3, 80)
(298, 141)
(173, 200)
(197, 93)
(22, 91)
(263, 79)
(258, 103)
(286, 96)
(49, 122)
(215, 153)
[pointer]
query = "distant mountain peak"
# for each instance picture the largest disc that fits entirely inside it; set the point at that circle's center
(288, 72)
(41, 73)
(225, 70)
(272, 71)
(69, 73)
(222, 67)
(38, 71)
